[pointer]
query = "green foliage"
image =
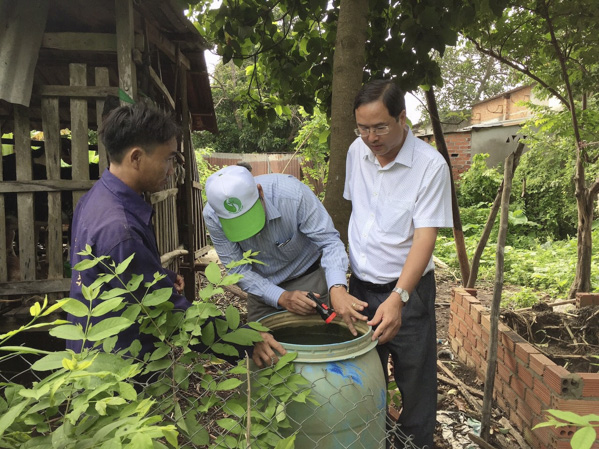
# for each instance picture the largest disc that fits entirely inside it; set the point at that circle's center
(584, 437)
(539, 264)
(480, 183)
(312, 141)
(525, 297)
(291, 44)
(88, 399)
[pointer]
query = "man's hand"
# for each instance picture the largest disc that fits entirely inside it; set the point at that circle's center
(388, 319)
(347, 307)
(179, 284)
(264, 351)
(297, 301)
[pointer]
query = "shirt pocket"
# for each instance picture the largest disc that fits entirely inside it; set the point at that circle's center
(290, 246)
(395, 218)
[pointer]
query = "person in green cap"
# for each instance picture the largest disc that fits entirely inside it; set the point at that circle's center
(282, 219)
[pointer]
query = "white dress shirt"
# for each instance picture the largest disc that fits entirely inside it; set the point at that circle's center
(388, 203)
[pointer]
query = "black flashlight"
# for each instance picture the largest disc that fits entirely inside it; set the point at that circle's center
(326, 313)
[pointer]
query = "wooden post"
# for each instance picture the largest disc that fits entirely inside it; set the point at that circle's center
(25, 200)
(3, 230)
(51, 127)
(101, 74)
(458, 233)
(125, 43)
(189, 273)
(79, 128)
(508, 175)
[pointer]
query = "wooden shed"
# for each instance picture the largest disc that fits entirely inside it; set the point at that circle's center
(60, 62)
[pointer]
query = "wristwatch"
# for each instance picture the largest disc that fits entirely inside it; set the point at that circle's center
(404, 295)
(339, 285)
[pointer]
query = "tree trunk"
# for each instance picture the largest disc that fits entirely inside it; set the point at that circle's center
(348, 69)
(458, 233)
(494, 318)
(582, 281)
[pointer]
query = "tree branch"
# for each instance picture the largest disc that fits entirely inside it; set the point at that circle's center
(521, 69)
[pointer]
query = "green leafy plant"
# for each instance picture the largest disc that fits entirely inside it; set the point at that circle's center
(103, 399)
(584, 437)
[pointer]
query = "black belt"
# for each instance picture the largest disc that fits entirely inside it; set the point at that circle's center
(311, 269)
(380, 288)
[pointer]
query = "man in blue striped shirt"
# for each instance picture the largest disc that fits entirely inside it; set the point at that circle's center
(298, 245)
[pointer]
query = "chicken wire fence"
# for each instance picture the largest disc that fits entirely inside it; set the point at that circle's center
(218, 405)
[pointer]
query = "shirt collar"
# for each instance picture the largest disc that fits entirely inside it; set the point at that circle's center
(405, 155)
(135, 204)
(271, 210)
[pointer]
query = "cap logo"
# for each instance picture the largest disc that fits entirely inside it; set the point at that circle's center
(233, 205)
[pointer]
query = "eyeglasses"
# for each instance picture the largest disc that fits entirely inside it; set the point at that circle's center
(378, 131)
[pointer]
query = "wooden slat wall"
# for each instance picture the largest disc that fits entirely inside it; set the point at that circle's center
(24, 200)
(79, 127)
(51, 127)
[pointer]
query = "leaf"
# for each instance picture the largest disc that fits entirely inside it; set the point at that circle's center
(232, 315)
(58, 305)
(229, 425)
(285, 360)
(221, 348)
(107, 306)
(120, 268)
(242, 337)
(287, 443)
(567, 416)
(213, 273)
(157, 297)
(9, 417)
(228, 384)
(68, 332)
(35, 309)
(584, 438)
(140, 440)
(86, 264)
(135, 282)
(107, 328)
(75, 307)
(51, 361)
(258, 326)
(208, 334)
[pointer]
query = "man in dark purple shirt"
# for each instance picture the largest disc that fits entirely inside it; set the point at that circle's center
(115, 220)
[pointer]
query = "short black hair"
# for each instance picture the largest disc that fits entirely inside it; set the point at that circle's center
(386, 91)
(139, 124)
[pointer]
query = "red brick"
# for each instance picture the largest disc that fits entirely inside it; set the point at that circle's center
(471, 291)
(453, 307)
(469, 322)
(457, 294)
(555, 378)
(451, 330)
(503, 372)
(580, 407)
(542, 393)
(475, 311)
(525, 412)
(590, 383)
(524, 350)
(518, 387)
(587, 299)
(524, 374)
(510, 361)
(517, 421)
(463, 328)
(485, 320)
(485, 339)
(467, 346)
(534, 403)
(455, 346)
(539, 362)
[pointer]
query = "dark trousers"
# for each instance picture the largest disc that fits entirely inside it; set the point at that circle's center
(414, 354)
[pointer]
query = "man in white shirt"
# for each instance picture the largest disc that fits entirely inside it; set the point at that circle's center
(399, 187)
